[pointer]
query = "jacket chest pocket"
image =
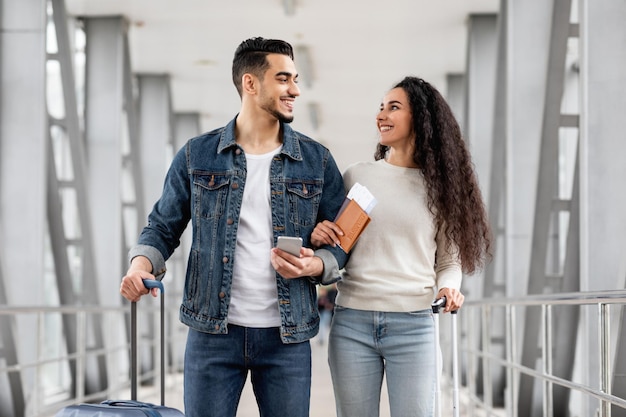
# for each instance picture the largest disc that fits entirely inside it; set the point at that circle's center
(210, 194)
(303, 199)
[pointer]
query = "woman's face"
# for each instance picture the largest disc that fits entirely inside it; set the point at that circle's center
(394, 120)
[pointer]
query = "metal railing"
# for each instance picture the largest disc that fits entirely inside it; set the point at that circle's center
(476, 320)
(597, 324)
(46, 381)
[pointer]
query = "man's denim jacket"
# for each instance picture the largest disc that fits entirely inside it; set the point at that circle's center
(205, 184)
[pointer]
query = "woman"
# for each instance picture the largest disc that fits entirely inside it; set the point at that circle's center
(428, 228)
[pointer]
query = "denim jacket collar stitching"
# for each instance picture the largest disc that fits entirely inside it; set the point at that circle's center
(291, 141)
(227, 137)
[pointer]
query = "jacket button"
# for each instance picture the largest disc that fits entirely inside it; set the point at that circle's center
(225, 259)
(222, 294)
(229, 221)
(237, 151)
(217, 327)
(235, 186)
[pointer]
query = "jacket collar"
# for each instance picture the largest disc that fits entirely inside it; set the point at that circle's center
(291, 141)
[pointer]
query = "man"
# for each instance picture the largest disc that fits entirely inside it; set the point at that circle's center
(249, 306)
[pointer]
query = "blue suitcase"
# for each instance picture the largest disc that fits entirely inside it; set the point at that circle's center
(130, 408)
(122, 408)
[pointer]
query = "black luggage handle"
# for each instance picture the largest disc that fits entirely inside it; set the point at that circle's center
(440, 303)
(436, 306)
(149, 284)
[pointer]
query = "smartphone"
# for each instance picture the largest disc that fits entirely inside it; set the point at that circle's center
(290, 244)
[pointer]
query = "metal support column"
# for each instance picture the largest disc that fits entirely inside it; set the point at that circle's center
(107, 136)
(494, 284)
(70, 186)
(22, 187)
(523, 33)
(156, 133)
(455, 96)
(105, 131)
(603, 36)
(481, 91)
(546, 271)
(133, 201)
(480, 83)
(12, 399)
(479, 104)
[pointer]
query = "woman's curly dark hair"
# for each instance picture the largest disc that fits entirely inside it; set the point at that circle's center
(454, 196)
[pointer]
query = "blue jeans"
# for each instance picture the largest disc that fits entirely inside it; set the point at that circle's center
(217, 365)
(365, 345)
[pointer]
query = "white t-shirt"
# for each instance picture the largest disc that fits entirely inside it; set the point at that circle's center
(392, 266)
(254, 296)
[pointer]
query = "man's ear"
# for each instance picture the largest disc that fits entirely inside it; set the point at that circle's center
(249, 83)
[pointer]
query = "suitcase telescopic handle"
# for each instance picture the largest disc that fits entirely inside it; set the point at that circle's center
(440, 303)
(149, 284)
(153, 283)
(436, 306)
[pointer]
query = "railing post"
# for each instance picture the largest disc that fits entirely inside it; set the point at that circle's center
(511, 354)
(38, 400)
(546, 354)
(81, 351)
(605, 361)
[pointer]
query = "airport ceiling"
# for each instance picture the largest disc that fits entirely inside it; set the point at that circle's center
(348, 54)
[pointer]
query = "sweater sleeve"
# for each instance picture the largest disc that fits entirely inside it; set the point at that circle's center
(448, 267)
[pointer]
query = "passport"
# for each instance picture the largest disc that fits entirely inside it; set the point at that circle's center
(352, 219)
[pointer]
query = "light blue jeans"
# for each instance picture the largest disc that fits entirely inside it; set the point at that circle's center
(365, 345)
(217, 365)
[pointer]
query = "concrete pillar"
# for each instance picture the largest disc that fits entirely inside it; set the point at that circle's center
(529, 49)
(455, 96)
(23, 147)
(481, 89)
(23, 169)
(104, 130)
(603, 144)
(155, 133)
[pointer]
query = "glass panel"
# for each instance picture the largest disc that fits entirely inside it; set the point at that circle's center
(62, 153)
(51, 36)
(71, 219)
(80, 60)
(54, 90)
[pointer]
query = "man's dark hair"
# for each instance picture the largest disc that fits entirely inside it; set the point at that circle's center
(250, 57)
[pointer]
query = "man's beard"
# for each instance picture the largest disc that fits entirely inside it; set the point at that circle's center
(269, 107)
(281, 117)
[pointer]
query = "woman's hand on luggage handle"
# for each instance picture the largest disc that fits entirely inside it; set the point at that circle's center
(454, 299)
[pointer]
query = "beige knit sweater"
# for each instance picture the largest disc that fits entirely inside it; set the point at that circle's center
(392, 266)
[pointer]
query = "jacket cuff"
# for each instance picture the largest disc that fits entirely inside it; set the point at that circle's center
(331, 272)
(153, 255)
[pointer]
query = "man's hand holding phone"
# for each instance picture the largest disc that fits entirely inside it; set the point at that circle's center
(290, 244)
(291, 260)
